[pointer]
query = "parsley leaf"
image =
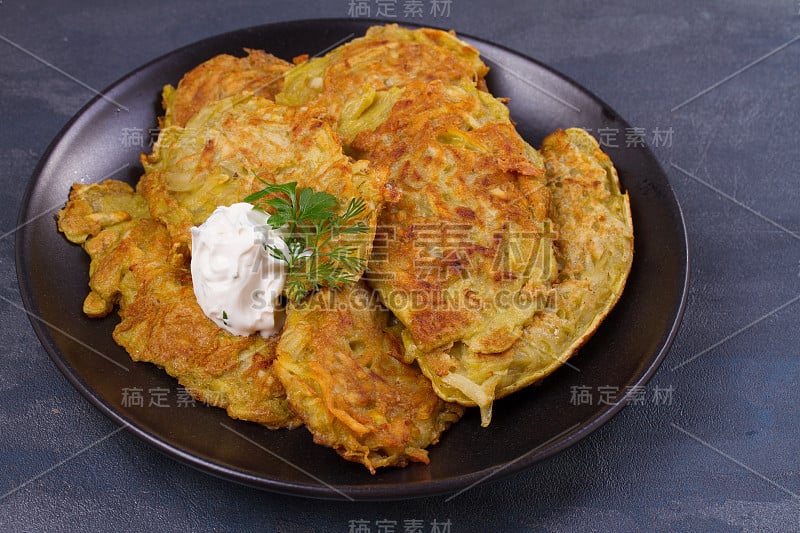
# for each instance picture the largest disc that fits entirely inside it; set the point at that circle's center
(316, 257)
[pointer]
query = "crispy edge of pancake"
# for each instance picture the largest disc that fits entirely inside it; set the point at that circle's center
(595, 253)
(219, 77)
(99, 217)
(565, 152)
(135, 264)
(92, 207)
(342, 368)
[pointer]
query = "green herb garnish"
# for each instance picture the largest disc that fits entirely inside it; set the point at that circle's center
(225, 317)
(312, 230)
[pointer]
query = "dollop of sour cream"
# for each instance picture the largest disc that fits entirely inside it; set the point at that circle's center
(236, 281)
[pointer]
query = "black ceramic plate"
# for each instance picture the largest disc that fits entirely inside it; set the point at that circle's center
(526, 427)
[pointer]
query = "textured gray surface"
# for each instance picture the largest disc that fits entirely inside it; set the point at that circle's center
(720, 454)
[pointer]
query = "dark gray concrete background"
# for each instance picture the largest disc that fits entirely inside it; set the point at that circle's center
(720, 453)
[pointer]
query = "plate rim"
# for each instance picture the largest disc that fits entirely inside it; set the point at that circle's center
(362, 492)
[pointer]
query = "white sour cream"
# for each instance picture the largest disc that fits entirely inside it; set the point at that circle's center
(236, 281)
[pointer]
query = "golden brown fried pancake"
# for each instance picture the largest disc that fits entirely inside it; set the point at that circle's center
(100, 216)
(165, 325)
(465, 258)
(464, 263)
(343, 374)
(134, 263)
(229, 148)
(594, 250)
(452, 157)
(220, 77)
(387, 56)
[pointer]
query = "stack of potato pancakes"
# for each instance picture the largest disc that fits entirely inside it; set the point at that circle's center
(489, 262)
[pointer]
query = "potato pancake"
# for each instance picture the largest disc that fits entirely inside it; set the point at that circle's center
(594, 250)
(387, 56)
(99, 216)
(344, 376)
(220, 77)
(232, 147)
(463, 262)
(490, 263)
(134, 264)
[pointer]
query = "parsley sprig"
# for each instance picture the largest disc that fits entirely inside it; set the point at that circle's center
(312, 228)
